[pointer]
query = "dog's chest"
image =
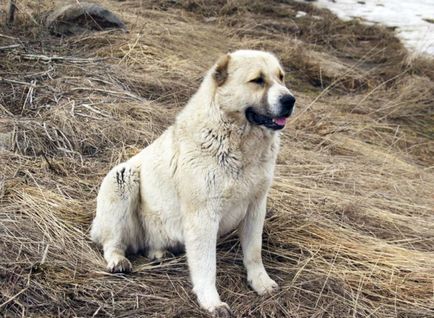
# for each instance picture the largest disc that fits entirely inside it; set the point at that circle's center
(237, 193)
(243, 158)
(240, 172)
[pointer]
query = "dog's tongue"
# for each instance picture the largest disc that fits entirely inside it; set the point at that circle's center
(280, 121)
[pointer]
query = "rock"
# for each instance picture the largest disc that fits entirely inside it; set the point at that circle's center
(81, 17)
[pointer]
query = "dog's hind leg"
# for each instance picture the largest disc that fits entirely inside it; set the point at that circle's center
(116, 226)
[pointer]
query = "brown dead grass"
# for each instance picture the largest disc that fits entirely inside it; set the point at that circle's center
(350, 226)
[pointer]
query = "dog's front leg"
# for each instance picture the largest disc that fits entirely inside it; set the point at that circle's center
(200, 230)
(251, 242)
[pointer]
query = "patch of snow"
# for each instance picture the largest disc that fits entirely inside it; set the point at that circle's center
(412, 18)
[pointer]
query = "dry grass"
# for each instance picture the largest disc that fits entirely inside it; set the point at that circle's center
(350, 228)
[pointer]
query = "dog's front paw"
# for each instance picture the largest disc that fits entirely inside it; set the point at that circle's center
(263, 284)
(119, 265)
(221, 311)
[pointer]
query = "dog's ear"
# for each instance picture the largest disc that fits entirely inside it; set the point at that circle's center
(221, 70)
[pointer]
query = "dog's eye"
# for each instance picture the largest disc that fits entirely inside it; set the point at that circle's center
(281, 77)
(258, 80)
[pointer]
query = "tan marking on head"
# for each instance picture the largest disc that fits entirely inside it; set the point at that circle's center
(259, 80)
(221, 70)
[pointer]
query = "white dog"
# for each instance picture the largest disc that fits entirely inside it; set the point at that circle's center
(206, 175)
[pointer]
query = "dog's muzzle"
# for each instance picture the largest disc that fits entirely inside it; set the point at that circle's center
(286, 106)
(274, 123)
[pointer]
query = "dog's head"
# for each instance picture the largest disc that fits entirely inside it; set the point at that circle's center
(250, 84)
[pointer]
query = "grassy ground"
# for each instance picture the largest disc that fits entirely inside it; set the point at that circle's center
(350, 225)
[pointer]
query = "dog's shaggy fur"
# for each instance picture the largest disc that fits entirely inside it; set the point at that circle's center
(206, 175)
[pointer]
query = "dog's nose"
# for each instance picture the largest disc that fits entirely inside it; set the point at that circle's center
(287, 103)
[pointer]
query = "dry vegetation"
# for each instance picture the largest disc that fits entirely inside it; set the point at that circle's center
(350, 226)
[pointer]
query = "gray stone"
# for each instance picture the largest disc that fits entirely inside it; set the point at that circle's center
(81, 17)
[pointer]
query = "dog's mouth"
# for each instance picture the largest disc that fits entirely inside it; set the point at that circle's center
(274, 123)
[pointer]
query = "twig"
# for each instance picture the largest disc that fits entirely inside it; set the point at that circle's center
(29, 96)
(116, 93)
(94, 110)
(13, 297)
(52, 168)
(7, 36)
(46, 58)
(44, 256)
(2, 79)
(9, 47)
(40, 74)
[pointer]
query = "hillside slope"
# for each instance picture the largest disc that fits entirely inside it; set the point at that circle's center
(350, 225)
